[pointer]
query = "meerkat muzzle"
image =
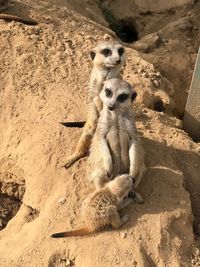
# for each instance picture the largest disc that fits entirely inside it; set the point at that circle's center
(118, 61)
(111, 107)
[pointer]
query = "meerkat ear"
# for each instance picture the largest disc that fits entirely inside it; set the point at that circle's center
(92, 54)
(133, 96)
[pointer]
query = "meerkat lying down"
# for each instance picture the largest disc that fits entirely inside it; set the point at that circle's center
(116, 145)
(101, 207)
(108, 59)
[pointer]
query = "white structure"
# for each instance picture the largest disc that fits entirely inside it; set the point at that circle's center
(191, 120)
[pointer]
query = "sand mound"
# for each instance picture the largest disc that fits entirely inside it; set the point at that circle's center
(44, 72)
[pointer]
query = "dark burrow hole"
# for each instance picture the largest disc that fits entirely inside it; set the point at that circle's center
(158, 105)
(11, 195)
(125, 29)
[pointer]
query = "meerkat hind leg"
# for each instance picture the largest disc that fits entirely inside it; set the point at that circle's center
(117, 222)
(83, 143)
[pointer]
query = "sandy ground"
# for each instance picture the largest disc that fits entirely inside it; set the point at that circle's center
(44, 72)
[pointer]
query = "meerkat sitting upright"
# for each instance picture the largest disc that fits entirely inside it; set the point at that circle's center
(116, 145)
(101, 207)
(108, 59)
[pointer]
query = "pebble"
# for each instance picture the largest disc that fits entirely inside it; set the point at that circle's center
(62, 200)
(123, 235)
(156, 83)
(106, 37)
(68, 262)
(135, 263)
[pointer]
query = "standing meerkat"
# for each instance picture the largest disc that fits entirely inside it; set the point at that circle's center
(116, 145)
(108, 59)
(101, 207)
(4, 5)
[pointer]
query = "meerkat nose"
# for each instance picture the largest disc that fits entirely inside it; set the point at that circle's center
(111, 107)
(118, 61)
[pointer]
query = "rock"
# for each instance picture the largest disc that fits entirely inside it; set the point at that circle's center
(146, 6)
(148, 43)
(123, 235)
(68, 262)
(62, 200)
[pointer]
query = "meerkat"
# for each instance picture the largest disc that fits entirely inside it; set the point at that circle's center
(4, 5)
(108, 59)
(116, 147)
(101, 207)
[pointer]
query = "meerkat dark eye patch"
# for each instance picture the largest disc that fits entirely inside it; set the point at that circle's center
(106, 52)
(92, 54)
(121, 98)
(121, 51)
(109, 93)
(133, 96)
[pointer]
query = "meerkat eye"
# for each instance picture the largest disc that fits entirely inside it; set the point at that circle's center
(106, 52)
(108, 92)
(121, 98)
(121, 51)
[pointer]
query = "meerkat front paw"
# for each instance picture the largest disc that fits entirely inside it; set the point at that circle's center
(125, 218)
(137, 197)
(108, 167)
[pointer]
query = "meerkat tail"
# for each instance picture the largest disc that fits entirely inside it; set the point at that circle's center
(79, 232)
(78, 124)
(16, 18)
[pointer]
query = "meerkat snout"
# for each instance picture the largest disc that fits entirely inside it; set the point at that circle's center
(118, 61)
(111, 108)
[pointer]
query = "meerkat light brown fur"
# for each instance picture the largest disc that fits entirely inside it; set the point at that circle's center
(101, 207)
(116, 145)
(108, 59)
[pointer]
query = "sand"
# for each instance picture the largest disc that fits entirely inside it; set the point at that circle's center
(44, 72)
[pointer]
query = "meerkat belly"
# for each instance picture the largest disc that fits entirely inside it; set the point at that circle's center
(118, 142)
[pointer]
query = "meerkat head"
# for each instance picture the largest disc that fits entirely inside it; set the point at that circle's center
(117, 94)
(108, 54)
(121, 185)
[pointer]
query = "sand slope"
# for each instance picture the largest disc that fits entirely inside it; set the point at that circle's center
(44, 72)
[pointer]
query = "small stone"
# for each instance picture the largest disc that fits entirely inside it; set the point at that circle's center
(62, 200)
(117, 260)
(156, 83)
(106, 37)
(195, 165)
(68, 262)
(123, 235)
(65, 35)
(157, 74)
